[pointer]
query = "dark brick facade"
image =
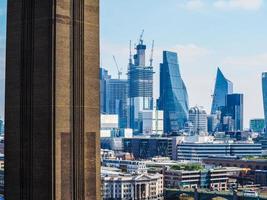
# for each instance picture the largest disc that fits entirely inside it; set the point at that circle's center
(52, 146)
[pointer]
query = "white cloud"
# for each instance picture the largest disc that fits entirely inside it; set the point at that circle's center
(259, 60)
(188, 54)
(191, 52)
(238, 4)
(192, 5)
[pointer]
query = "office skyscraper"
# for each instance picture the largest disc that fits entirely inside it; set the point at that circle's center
(199, 120)
(222, 88)
(52, 148)
(116, 99)
(214, 122)
(140, 80)
(113, 96)
(173, 98)
(257, 125)
(103, 77)
(264, 95)
(234, 107)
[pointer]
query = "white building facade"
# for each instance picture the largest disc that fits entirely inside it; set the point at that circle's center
(198, 151)
(109, 125)
(131, 187)
(199, 120)
(130, 166)
(152, 122)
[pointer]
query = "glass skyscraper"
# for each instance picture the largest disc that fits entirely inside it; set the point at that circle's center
(257, 125)
(173, 98)
(116, 99)
(223, 87)
(140, 80)
(113, 96)
(103, 77)
(235, 106)
(264, 94)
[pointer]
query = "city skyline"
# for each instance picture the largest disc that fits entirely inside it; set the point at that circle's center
(229, 35)
(205, 34)
(124, 102)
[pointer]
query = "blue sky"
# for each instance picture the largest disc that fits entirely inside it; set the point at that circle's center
(2, 54)
(205, 34)
(231, 34)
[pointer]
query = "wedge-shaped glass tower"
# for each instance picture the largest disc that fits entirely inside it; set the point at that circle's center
(223, 87)
(173, 94)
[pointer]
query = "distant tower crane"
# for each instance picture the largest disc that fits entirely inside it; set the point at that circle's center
(119, 70)
(151, 55)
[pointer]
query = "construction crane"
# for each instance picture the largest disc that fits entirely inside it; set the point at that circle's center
(141, 37)
(119, 70)
(130, 51)
(151, 55)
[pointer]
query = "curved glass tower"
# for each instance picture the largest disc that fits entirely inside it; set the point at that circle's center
(173, 94)
(264, 94)
(223, 87)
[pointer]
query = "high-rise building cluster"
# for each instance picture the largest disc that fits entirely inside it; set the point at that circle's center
(167, 144)
(132, 99)
(227, 107)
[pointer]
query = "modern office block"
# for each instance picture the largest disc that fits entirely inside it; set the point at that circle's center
(103, 77)
(264, 95)
(234, 107)
(112, 143)
(109, 121)
(217, 179)
(199, 151)
(264, 144)
(140, 80)
(109, 125)
(113, 97)
(213, 122)
(144, 148)
(116, 99)
(52, 148)
(257, 125)
(152, 122)
(173, 98)
(222, 88)
(198, 118)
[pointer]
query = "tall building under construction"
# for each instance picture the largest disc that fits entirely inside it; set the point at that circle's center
(140, 80)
